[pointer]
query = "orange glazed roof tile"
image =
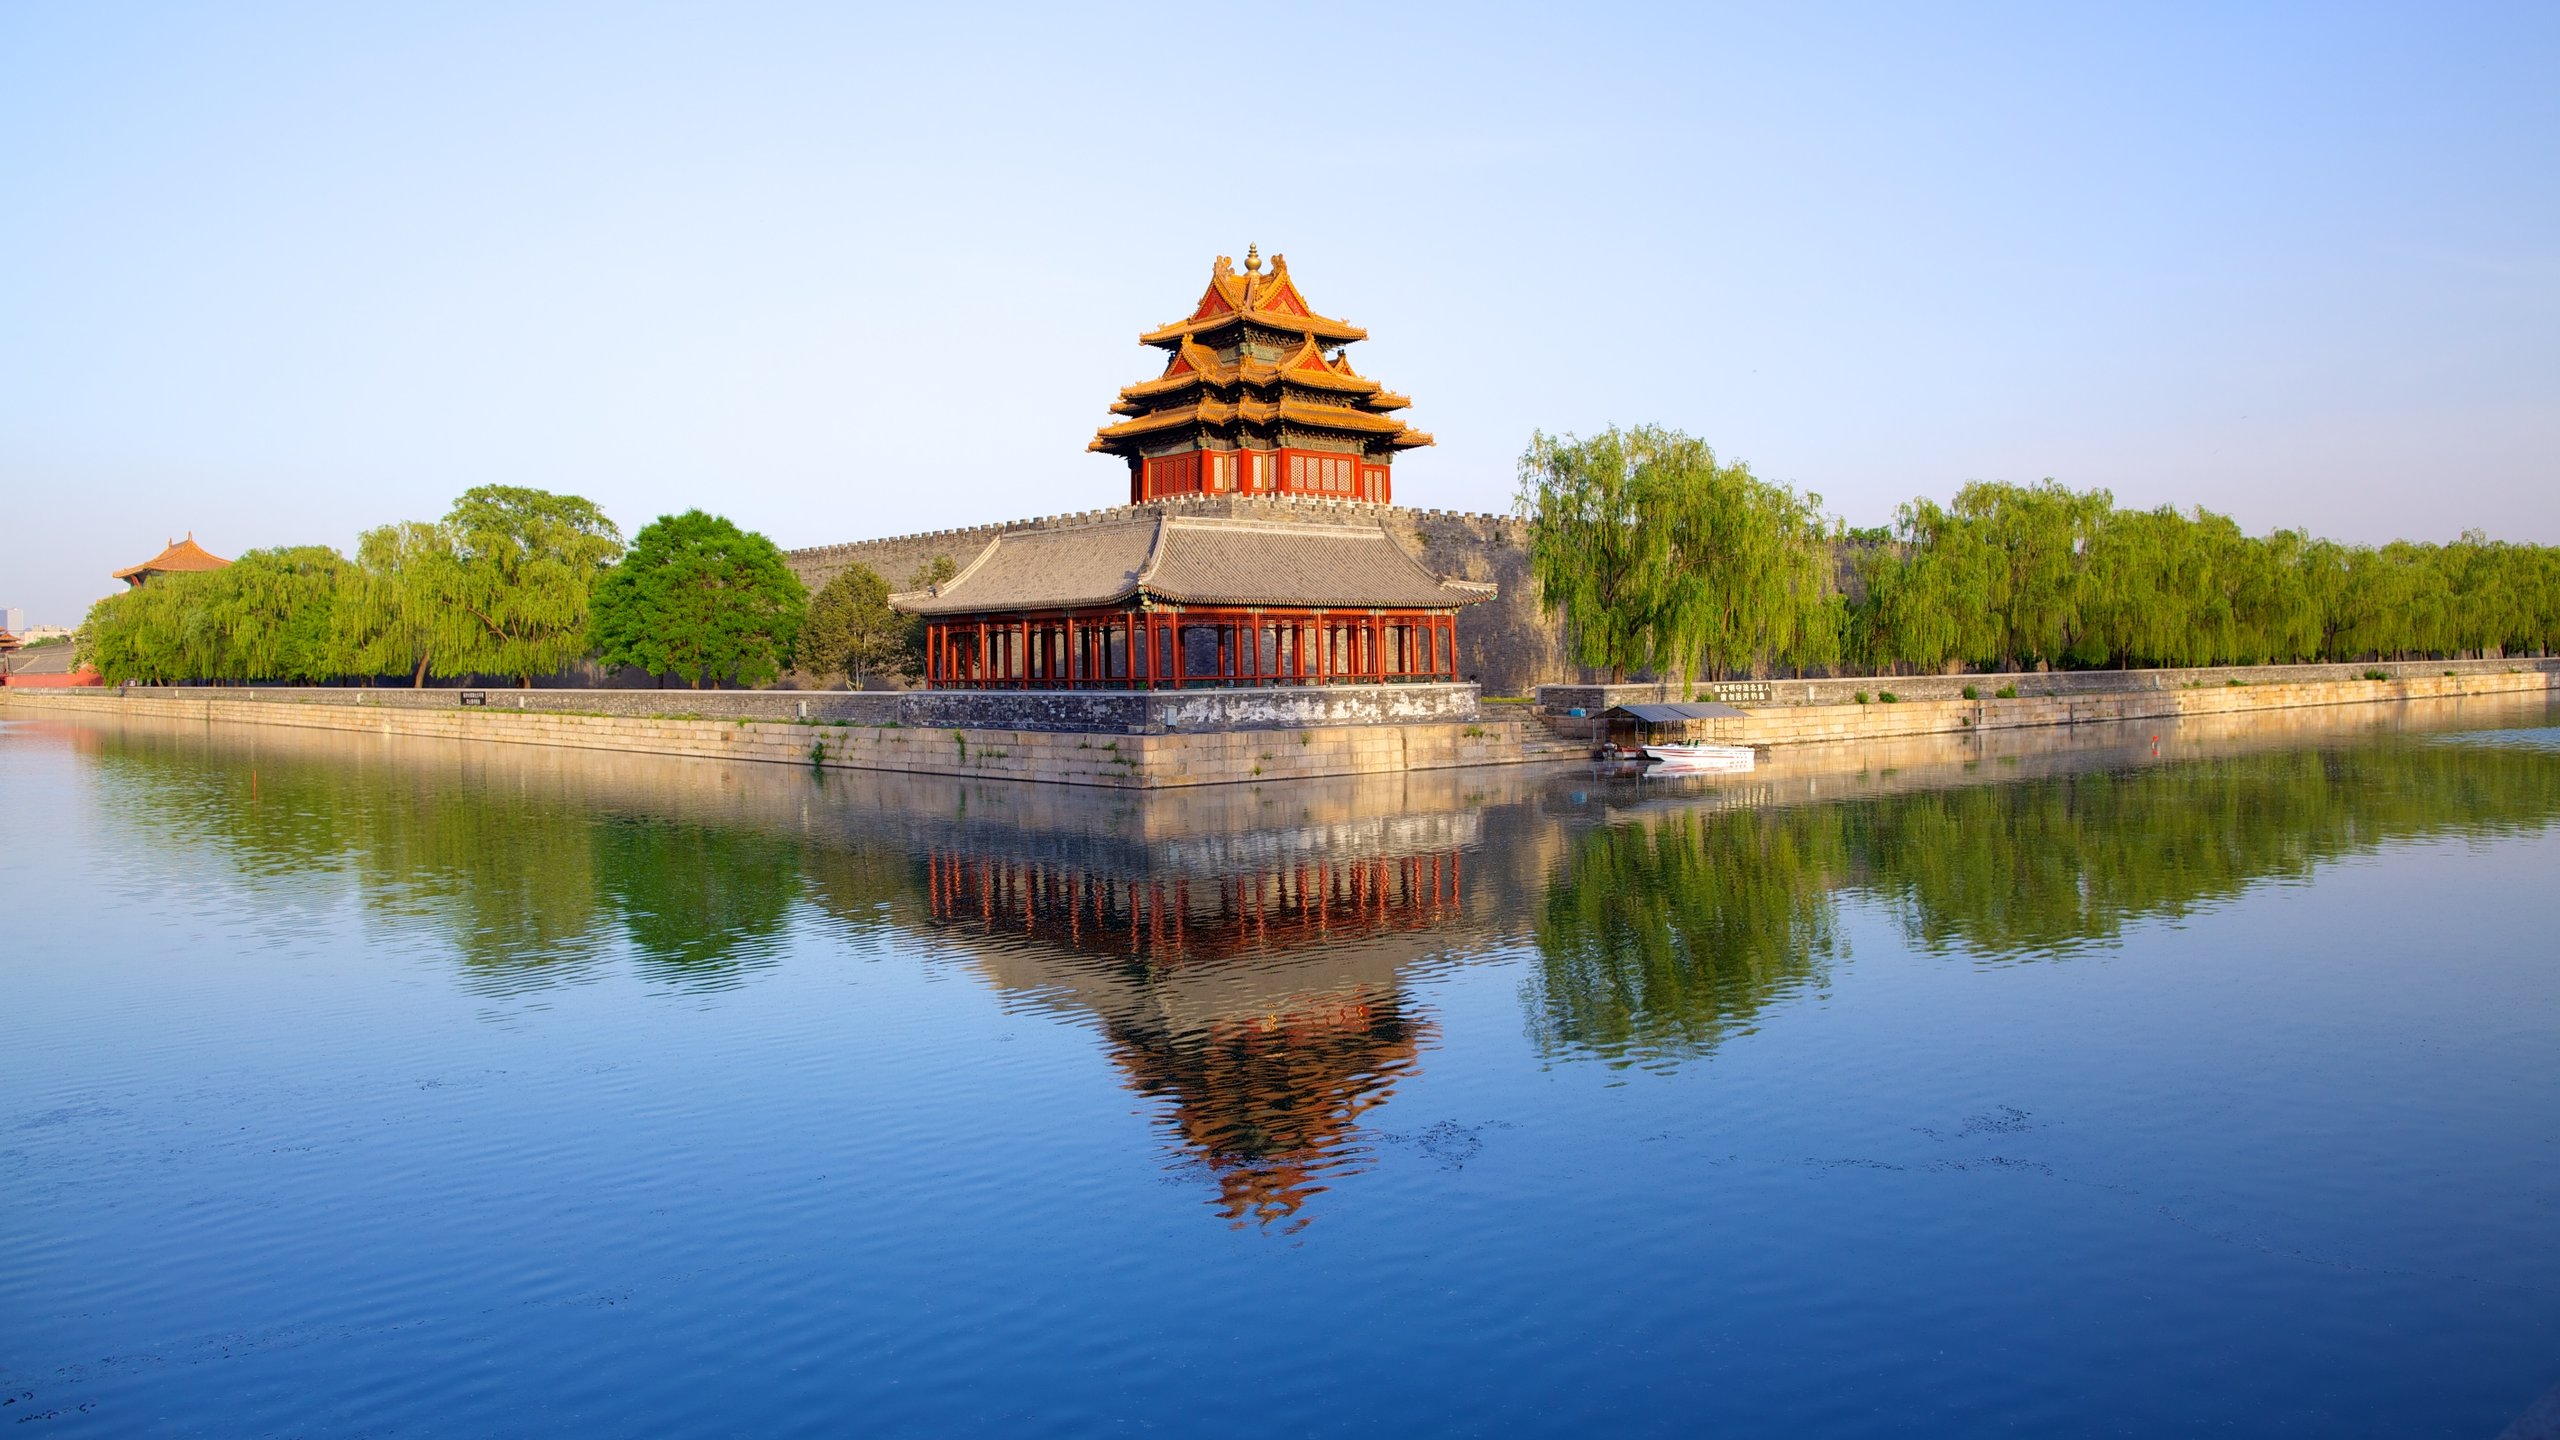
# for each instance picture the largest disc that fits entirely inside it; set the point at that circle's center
(1271, 300)
(1197, 387)
(1197, 364)
(1219, 412)
(182, 555)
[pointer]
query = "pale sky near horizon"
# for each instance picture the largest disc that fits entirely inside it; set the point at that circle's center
(276, 274)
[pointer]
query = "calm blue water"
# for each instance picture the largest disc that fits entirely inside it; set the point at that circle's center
(2095, 1085)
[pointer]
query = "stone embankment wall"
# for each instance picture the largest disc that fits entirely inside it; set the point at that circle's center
(1132, 762)
(1158, 761)
(1104, 711)
(1559, 699)
(1817, 724)
(1504, 644)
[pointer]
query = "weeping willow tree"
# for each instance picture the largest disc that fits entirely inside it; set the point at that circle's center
(524, 566)
(2012, 576)
(392, 610)
(1601, 540)
(267, 616)
(1929, 597)
(1751, 573)
(1658, 557)
(143, 635)
(500, 586)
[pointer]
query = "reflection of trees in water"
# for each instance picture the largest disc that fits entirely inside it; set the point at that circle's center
(1259, 994)
(1663, 936)
(1660, 939)
(2019, 871)
(530, 884)
(698, 902)
(510, 877)
(862, 892)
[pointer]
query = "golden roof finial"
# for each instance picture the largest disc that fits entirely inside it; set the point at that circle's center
(1252, 258)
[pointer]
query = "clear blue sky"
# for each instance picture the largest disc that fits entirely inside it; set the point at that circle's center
(277, 274)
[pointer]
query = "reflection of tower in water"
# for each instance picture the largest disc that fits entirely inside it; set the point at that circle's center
(1262, 1004)
(1173, 919)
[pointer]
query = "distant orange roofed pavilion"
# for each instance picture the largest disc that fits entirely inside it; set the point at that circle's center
(180, 556)
(1250, 403)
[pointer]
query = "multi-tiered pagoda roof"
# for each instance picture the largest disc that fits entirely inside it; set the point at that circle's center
(1249, 404)
(1257, 398)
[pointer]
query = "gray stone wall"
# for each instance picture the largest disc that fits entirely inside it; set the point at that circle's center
(1504, 644)
(1592, 699)
(1098, 711)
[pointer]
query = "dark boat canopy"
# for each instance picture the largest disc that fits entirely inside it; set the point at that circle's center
(1673, 714)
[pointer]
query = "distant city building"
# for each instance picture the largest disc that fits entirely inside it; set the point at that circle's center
(180, 556)
(13, 620)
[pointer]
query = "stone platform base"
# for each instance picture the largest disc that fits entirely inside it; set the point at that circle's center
(1102, 712)
(1180, 758)
(1123, 761)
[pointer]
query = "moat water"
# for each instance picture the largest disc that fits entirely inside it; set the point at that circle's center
(2157, 1081)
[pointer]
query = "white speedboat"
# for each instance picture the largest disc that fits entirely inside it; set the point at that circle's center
(1686, 758)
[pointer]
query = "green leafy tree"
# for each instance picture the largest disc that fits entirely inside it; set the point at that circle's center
(395, 609)
(524, 565)
(698, 598)
(1751, 573)
(1600, 541)
(851, 631)
(1658, 555)
(267, 616)
(271, 614)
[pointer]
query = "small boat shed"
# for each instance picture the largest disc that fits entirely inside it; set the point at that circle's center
(1654, 724)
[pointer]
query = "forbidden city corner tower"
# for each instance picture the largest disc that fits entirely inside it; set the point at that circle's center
(1257, 398)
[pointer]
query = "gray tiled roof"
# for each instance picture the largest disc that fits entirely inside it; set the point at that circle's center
(1194, 561)
(1044, 569)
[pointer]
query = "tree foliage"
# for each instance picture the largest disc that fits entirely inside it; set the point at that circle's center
(524, 563)
(394, 616)
(267, 616)
(851, 631)
(1658, 556)
(2011, 576)
(498, 587)
(698, 598)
